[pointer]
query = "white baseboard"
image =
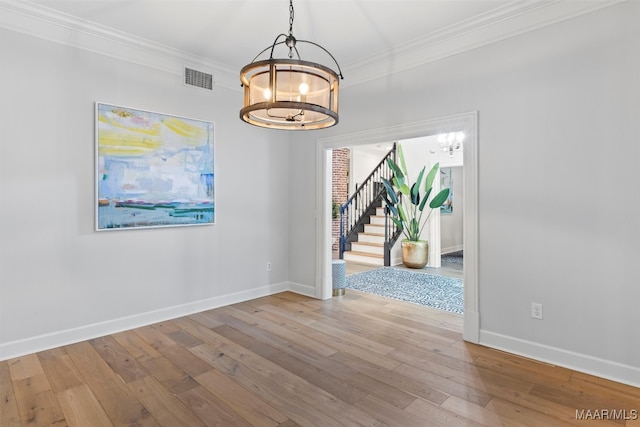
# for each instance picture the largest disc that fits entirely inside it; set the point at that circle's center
(608, 369)
(306, 290)
(451, 249)
(70, 336)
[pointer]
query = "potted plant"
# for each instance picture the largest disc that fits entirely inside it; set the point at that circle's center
(407, 202)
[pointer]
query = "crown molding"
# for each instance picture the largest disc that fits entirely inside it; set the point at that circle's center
(498, 24)
(33, 20)
(510, 20)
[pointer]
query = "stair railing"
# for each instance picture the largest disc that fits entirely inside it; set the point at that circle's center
(355, 212)
(391, 235)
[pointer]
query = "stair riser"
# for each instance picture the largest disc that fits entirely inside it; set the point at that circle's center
(377, 229)
(377, 220)
(367, 248)
(370, 239)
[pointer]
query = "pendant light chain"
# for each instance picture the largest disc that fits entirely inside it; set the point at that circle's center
(291, 41)
(290, 17)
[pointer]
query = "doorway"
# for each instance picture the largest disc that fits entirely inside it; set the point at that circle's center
(466, 122)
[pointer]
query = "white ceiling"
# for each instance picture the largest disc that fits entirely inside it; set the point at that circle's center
(368, 38)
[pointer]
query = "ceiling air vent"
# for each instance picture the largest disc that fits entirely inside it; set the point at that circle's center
(198, 78)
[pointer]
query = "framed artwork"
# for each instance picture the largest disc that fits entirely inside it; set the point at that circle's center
(152, 169)
(446, 181)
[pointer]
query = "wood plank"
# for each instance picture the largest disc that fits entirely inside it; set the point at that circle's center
(169, 375)
(580, 397)
(390, 415)
(516, 415)
(439, 415)
(280, 329)
(60, 370)
(322, 379)
(35, 399)
(163, 405)
(81, 408)
(177, 335)
(154, 337)
(544, 405)
(9, 414)
(523, 368)
(211, 410)
(468, 375)
(118, 359)
(396, 389)
(136, 346)
(186, 361)
(253, 409)
(120, 405)
(279, 395)
(474, 412)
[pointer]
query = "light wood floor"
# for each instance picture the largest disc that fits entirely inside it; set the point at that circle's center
(291, 360)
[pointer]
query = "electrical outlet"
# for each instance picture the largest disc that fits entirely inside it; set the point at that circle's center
(268, 266)
(536, 310)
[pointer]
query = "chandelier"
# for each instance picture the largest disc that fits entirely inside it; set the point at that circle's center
(450, 142)
(290, 93)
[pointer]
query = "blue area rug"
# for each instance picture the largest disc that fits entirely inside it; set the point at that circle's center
(444, 293)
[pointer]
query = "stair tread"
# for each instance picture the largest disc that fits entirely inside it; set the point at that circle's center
(372, 234)
(364, 254)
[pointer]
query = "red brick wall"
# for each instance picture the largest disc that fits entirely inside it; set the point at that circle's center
(340, 186)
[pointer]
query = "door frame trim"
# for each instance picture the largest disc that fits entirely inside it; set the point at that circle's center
(467, 122)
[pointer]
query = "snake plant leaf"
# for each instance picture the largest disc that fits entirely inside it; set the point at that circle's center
(415, 194)
(390, 191)
(401, 157)
(439, 199)
(394, 167)
(431, 176)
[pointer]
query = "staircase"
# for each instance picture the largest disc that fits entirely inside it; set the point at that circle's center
(369, 246)
(366, 232)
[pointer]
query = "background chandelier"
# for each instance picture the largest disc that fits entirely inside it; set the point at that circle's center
(290, 93)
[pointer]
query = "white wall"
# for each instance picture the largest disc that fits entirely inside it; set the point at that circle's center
(60, 280)
(559, 208)
(364, 159)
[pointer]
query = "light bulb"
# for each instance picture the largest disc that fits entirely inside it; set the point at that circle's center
(267, 94)
(304, 88)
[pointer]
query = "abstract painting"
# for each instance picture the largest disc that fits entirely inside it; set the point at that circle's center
(152, 169)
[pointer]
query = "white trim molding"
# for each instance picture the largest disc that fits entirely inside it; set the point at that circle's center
(613, 371)
(509, 20)
(467, 122)
(70, 336)
(28, 18)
